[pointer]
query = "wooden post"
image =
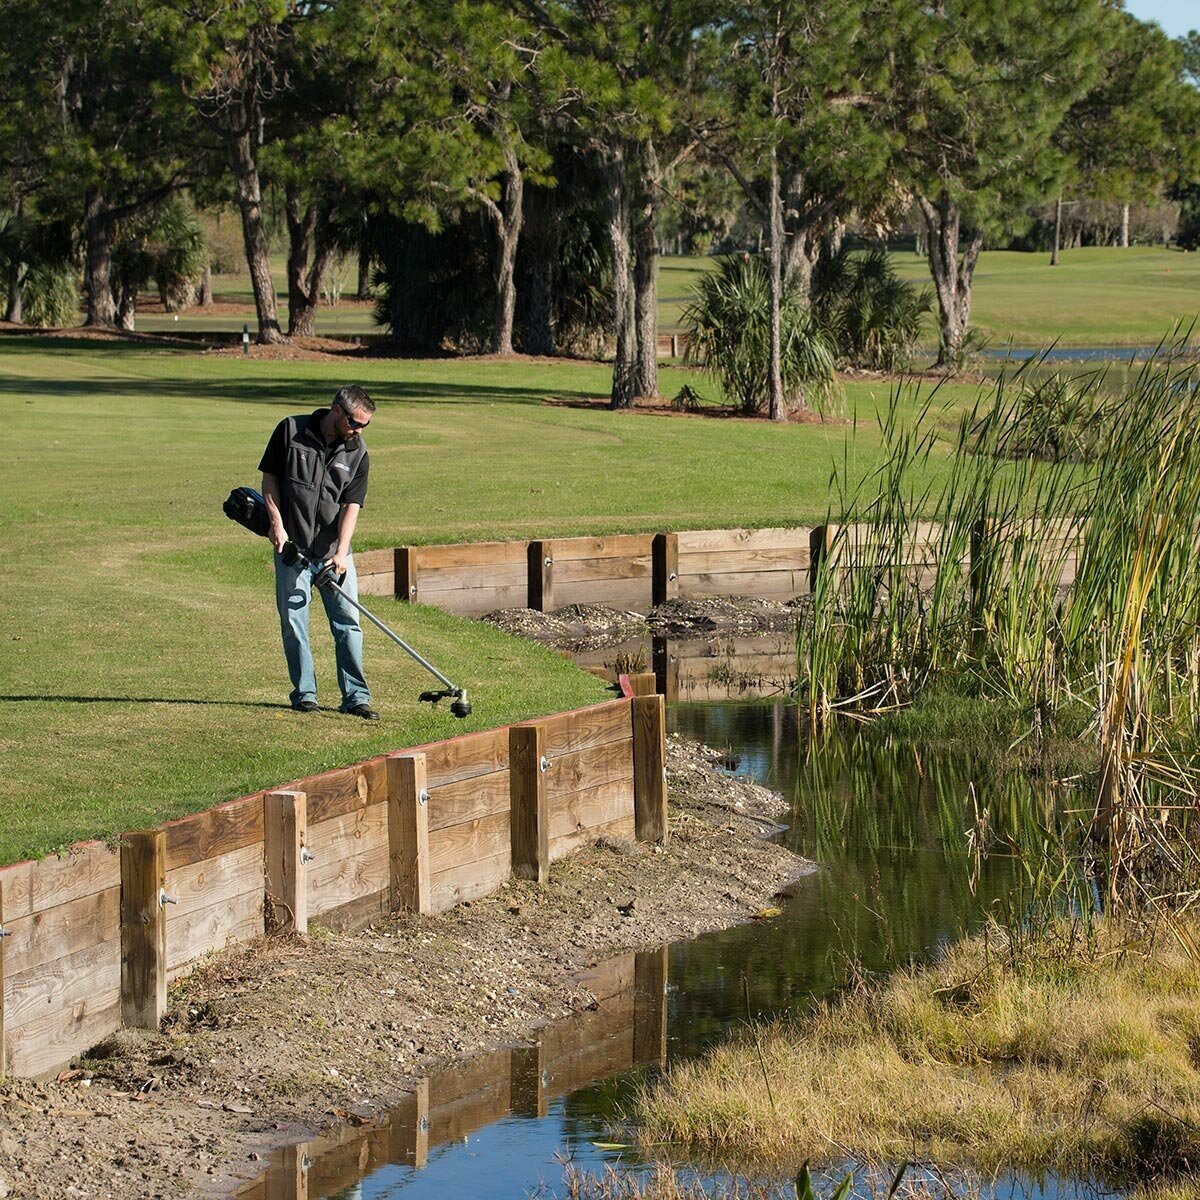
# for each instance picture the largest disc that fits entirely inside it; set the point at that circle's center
(541, 576)
(527, 1082)
(662, 661)
(644, 683)
(406, 574)
(143, 928)
(3, 1046)
(529, 826)
(820, 546)
(650, 768)
(408, 1141)
(285, 838)
(408, 833)
(650, 1006)
(665, 564)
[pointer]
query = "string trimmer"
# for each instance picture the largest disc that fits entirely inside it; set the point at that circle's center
(247, 508)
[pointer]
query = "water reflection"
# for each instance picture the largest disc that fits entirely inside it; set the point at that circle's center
(890, 828)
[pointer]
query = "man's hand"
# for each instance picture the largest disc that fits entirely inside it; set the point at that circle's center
(337, 560)
(278, 536)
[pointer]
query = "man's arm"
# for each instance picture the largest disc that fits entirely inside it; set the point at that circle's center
(346, 522)
(277, 534)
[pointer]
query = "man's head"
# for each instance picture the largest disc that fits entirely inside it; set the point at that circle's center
(351, 410)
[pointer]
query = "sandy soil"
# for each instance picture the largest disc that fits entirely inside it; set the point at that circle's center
(278, 1039)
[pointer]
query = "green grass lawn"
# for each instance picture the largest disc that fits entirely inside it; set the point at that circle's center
(139, 658)
(1097, 296)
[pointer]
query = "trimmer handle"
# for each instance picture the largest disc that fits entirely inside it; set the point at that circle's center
(292, 554)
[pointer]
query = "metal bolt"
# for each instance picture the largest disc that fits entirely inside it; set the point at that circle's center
(306, 856)
(549, 562)
(423, 797)
(412, 591)
(164, 899)
(5, 932)
(672, 577)
(423, 1124)
(544, 764)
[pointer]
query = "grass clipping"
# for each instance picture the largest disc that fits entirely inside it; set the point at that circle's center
(1080, 1057)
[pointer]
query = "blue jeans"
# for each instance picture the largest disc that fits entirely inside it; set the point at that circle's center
(293, 595)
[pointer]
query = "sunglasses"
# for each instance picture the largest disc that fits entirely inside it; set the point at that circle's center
(351, 421)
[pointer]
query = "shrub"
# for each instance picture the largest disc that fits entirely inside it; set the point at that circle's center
(729, 335)
(873, 317)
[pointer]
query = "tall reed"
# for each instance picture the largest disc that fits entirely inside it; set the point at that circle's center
(1053, 583)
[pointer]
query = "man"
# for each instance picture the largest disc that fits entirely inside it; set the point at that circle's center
(314, 483)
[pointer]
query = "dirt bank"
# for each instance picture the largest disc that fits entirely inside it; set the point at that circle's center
(280, 1038)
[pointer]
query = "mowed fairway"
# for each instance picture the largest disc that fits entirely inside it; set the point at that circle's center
(140, 672)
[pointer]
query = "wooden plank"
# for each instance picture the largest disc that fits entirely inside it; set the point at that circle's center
(408, 833)
(470, 881)
(662, 662)
(583, 811)
(620, 830)
(51, 989)
(528, 823)
(472, 554)
(699, 540)
(407, 574)
(211, 884)
(382, 583)
(589, 768)
(527, 1094)
(740, 561)
(586, 727)
(458, 1118)
(143, 928)
(476, 1075)
(335, 793)
(469, 799)
(354, 914)
(462, 845)
(374, 562)
(594, 549)
(292, 1173)
(616, 593)
(609, 977)
(350, 859)
(63, 930)
(477, 601)
(540, 562)
(664, 555)
(15, 880)
(465, 757)
(650, 768)
(285, 826)
(200, 931)
(85, 869)
(215, 832)
(733, 648)
(766, 585)
(603, 570)
(49, 1042)
(467, 579)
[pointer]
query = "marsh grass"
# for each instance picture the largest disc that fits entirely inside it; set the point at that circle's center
(1076, 1053)
(1049, 586)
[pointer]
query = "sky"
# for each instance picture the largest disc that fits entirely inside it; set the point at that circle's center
(1177, 17)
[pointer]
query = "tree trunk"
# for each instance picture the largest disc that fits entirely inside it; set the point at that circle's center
(803, 254)
(624, 384)
(1057, 231)
(776, 406)
(127, 310)
(507, 219)
(1124, 226)
(540, 244)
(254, 235)
(952, 275)
(205, 299)
(645, 276)
(101, 308)
(302, 302)
(14, 307)
(363, 291)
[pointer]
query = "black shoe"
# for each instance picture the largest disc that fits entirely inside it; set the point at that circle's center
(306, 706)
(362, 710)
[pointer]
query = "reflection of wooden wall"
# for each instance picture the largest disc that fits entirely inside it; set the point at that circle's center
(626, 1028)
(341, 845)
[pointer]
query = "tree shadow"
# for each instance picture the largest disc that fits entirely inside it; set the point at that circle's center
(179, 700)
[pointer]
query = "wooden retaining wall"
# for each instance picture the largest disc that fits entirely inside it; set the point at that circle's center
(637, 571)
(92, 937)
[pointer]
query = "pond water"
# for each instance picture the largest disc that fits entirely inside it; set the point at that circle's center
(887, 826)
